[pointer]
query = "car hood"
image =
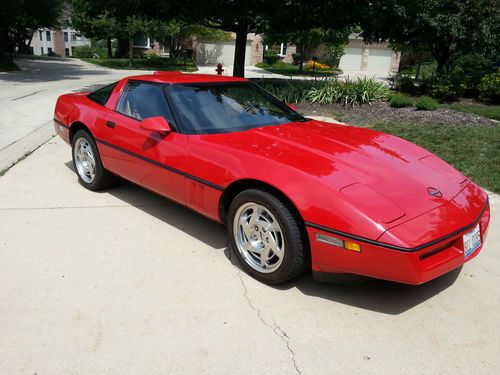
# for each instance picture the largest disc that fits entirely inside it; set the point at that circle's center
(385, 177)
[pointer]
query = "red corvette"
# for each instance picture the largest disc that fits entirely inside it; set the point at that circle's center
(294, 193)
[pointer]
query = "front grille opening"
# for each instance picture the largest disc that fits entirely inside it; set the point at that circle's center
(435, 250)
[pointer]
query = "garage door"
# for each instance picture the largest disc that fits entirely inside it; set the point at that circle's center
(211, 53)
(379, 60)
(351, 61)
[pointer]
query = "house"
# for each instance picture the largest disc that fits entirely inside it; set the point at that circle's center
(60, 42)
(359, 58)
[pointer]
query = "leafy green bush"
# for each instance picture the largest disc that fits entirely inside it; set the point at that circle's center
(475, 67)
(446, 87)
(426, 104)
(403, 82)
(85, 51)
(296, 58)
(282, 65)
(400, 101)
(489, 88)
(270, 57)
(291, 91)
(362, 90)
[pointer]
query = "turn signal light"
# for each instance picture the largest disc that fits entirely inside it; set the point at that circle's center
(348, 245)
(352, 246)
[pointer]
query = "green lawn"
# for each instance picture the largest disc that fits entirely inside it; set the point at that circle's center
(293, 70)
(5, 64)
(473, 150)
(490, 111)
(147, 64)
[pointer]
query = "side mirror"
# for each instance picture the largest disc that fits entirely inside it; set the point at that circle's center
(292, 106)
(156, 124)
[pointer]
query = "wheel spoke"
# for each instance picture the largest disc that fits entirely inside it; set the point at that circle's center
(247, 228)
(258, 237)
(264, 256)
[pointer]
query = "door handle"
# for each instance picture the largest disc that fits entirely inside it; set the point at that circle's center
(110, 124)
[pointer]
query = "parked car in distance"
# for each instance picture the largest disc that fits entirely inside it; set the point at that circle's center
(295, 193)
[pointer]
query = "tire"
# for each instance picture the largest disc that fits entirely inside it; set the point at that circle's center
(266, 237)
(87, 163)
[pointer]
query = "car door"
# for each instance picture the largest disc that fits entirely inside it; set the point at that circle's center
(150, 159)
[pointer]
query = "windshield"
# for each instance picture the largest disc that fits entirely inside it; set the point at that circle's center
(207, 108)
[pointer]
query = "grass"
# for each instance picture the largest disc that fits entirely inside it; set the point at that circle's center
(5, 64)
(293, 70)
(489, 111)
(146, 64)
(5, 170)
(475, 151)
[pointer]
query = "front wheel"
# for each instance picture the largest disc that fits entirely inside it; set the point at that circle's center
(266, 237)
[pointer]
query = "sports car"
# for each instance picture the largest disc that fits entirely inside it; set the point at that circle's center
(294, 193)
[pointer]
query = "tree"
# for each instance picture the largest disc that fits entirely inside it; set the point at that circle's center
(173, 34)
(19, 19)
(444, 28)
(279, 16)
(92, 19)
(308, 40)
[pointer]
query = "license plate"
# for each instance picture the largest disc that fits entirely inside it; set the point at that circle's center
(472, 241)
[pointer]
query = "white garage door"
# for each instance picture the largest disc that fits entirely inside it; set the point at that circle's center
(379, 60)
(212, 53)
(351, 61)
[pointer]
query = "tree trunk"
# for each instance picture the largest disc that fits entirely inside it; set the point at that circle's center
(130, 50)
(110, 48)
(301, 58)
(240, 49)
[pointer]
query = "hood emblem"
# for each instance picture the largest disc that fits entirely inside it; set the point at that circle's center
(434, 192)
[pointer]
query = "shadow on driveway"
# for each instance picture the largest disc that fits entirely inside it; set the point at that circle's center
(49, 70)
(376, 295)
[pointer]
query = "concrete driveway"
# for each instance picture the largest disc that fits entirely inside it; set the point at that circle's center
(126, 282)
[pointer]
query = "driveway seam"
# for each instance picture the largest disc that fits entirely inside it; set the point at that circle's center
(277, 330)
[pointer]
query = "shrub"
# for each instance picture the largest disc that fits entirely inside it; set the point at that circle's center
(292, 91)
(403, 82)
(489, 88)
(475, 67)
(281, 65)
(311, 64)
(333, 53)
(400, 101)
(85, 51)
(426, 104)
(446, 87)
(270, 57)
(296, 58)
(362, 90)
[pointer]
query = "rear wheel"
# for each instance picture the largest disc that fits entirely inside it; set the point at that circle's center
(266, 237)
(87, 163)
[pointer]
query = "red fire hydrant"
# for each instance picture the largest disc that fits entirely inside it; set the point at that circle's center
(219, 69)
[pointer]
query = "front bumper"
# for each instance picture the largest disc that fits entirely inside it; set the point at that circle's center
(414, 266)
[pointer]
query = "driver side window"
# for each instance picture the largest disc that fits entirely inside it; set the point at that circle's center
(141, 100)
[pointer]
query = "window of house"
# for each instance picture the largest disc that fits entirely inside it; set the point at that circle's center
(41, 50)
(141, 41)
(49, 50)
(65, 36)
(40, 34)
(66, 52)
(73, 37)
(283, 48)
(141, 100)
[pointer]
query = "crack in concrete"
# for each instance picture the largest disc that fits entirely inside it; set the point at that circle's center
(278, 331)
